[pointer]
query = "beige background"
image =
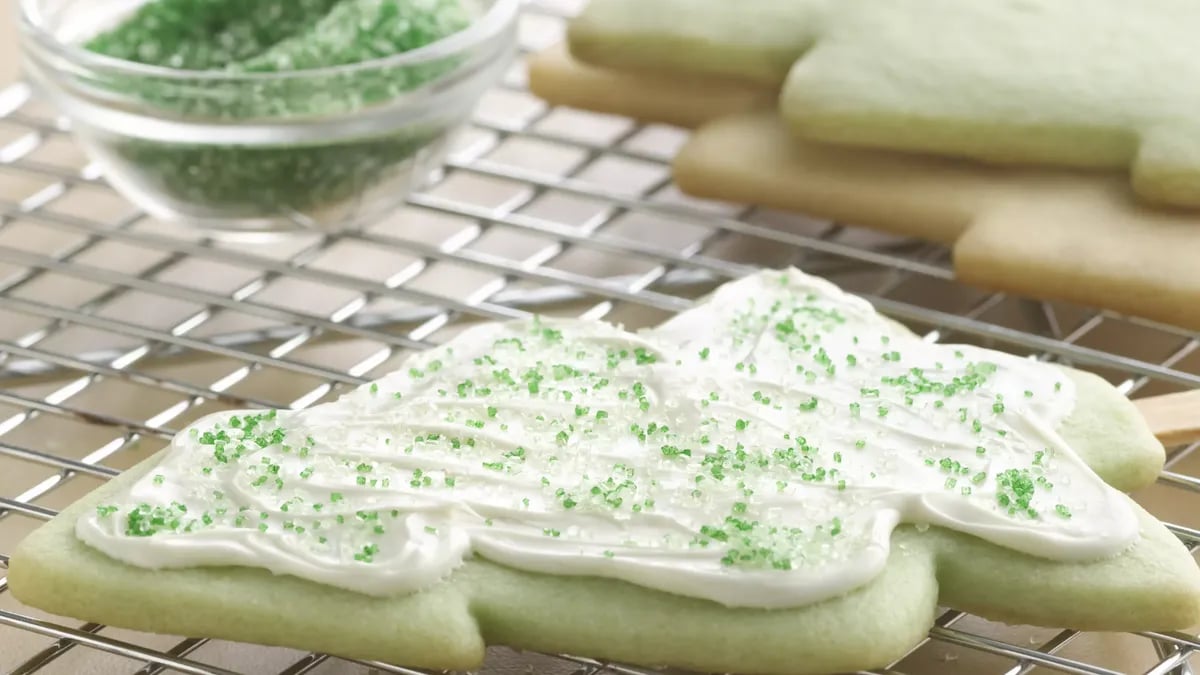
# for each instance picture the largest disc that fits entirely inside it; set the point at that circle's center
(8, 41)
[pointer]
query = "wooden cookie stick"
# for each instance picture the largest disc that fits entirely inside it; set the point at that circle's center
(1173, 418)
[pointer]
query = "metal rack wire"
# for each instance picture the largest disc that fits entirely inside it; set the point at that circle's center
(115, 330)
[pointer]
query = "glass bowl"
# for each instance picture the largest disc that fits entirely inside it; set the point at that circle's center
(319, 149)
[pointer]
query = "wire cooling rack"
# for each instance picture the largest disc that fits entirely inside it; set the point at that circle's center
(115, 330)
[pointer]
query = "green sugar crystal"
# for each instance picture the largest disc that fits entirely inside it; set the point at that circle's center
(207, 34)
(354, 31)
(239, 37)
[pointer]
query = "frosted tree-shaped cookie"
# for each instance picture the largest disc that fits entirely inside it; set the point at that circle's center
(778, 479)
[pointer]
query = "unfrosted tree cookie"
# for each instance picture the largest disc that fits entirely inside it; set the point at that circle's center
(778, 480)
(1051, 234)
(1083, 83)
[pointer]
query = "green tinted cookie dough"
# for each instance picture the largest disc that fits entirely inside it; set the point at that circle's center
(271, 36)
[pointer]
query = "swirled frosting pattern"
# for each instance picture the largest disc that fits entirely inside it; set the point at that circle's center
(756, 451)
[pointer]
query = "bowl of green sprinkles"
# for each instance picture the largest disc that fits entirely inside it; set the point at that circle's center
(266, 115)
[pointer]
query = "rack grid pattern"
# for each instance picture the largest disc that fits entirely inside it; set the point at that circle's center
(115, 330)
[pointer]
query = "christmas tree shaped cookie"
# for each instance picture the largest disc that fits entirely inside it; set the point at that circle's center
(1079, 84)
(778, 480)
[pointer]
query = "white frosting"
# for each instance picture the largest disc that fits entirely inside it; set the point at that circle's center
(755, 451)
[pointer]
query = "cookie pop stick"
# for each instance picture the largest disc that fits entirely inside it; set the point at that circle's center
(1173, 417)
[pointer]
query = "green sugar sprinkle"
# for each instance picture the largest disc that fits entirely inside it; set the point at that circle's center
(367, 554)
(1016, 490)
(266, 36)
(644, 357)
(672, 451)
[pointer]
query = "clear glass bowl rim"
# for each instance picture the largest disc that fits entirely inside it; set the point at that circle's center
(498, 16)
